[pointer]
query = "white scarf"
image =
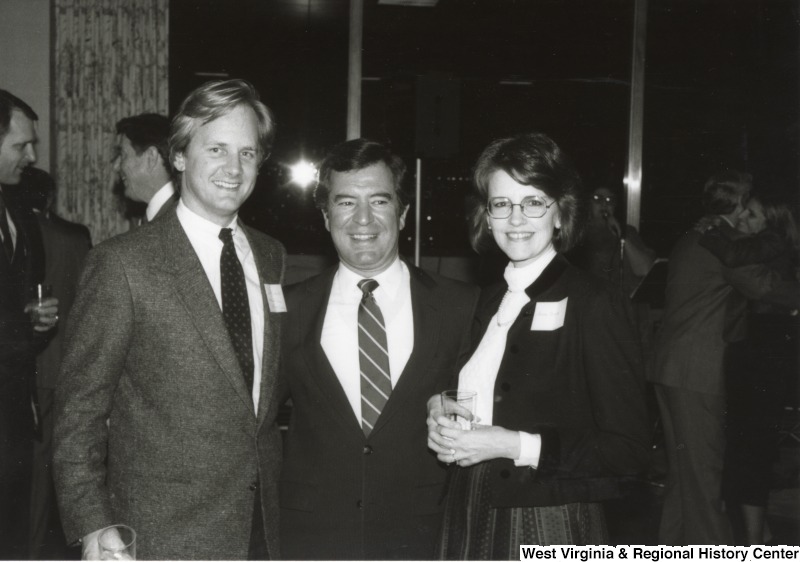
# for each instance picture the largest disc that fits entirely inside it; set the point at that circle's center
(480, 372)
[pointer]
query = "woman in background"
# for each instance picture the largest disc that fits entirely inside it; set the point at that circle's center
(607, 249)
(557, 370)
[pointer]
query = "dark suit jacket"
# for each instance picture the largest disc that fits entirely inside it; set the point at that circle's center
(704, 309)
(65, 247)
(580, 386)
(351, 497)
(148, 352)
(18, 342)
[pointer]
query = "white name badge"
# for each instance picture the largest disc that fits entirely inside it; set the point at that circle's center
(275, 298)
(549, 316)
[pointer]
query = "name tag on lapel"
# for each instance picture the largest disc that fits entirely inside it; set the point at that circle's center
(549, 316)
(275, 298)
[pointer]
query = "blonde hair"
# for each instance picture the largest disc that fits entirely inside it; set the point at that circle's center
(213, 100)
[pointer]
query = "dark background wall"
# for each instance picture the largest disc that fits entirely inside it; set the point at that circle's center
(440, 83)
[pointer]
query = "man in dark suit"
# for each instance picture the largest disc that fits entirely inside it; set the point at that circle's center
(360, 361)
(24, 325)
(65, 245)
(703, 313)
(141, 161)
(166, 402)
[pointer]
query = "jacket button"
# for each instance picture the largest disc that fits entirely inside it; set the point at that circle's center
(253, 486)
(505, 386)
(504, 474)
(360, 504)
(514, 348)
(367, 450)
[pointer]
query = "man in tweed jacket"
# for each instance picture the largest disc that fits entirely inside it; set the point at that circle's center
(156, 427)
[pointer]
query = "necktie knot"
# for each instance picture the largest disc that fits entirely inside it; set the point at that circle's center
(226, 235)
(367, 286)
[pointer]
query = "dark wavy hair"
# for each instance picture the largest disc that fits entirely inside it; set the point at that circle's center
(532, 159)
(8, 103)
(146, 130)
(725, 190)
(354, 155)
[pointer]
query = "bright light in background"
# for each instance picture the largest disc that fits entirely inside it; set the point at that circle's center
(303, 173)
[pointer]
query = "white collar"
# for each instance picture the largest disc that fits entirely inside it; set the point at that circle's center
(520, 278)
(159, 198)
(193, 221)
(389, 280)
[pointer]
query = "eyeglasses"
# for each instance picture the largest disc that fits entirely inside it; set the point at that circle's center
(532, 207)
(607, 199)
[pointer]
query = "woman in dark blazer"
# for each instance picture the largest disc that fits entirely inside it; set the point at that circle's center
(560, 413)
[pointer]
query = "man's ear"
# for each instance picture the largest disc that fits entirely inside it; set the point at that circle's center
(327, 220)
(179, 162)
(401, 220)
(153, 157)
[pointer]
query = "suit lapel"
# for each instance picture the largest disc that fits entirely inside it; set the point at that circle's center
(270, 266)
(427, 328)
(194, 290)
(312, 309)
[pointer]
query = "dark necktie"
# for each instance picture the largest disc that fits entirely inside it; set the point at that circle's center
(235, 305)
(373, 357)
(5, 230)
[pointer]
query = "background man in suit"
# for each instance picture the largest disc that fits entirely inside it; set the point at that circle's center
(166, 406)
(358, 481)
(142, 162)
(24, 327)
(65, 246)
(704, 311)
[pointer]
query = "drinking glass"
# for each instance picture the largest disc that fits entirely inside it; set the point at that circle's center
(117, 542)
(41, 293)
(459, 406)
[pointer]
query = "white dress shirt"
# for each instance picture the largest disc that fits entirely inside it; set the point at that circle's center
(12, 228)
(204, 236)
(340, 329)
(157, 201)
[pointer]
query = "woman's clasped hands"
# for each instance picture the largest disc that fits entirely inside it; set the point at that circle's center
(467, 447)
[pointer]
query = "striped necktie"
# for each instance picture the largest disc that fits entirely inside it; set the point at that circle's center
(373, 357)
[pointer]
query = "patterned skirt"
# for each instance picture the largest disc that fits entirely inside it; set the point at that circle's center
(474, 530)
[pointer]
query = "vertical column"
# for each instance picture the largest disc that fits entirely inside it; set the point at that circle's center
(633, 178)
(354, 70)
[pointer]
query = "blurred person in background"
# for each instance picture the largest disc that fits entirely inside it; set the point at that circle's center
(607, 249)
(765, 371)
(704, 319)
(65, 246)
(26, 324)
(141, 162)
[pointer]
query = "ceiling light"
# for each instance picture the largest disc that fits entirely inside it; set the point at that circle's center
(303, 173)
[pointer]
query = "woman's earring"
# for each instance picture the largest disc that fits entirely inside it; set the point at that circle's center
(490, 226)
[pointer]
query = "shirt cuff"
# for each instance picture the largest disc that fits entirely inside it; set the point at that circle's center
(530, 447)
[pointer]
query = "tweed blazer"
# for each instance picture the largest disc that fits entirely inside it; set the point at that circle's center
(579, 385)
(154, 425)
(347, 496)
